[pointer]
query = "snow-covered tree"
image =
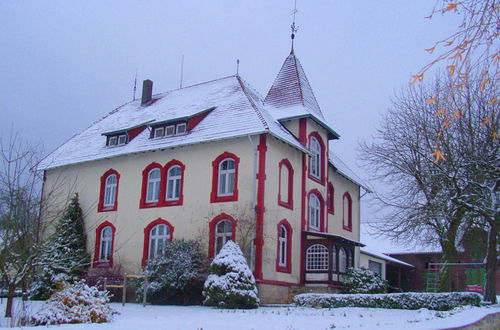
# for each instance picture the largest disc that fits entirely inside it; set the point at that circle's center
(359, 280)
(231, 283)
(177, 275)
(65, 258)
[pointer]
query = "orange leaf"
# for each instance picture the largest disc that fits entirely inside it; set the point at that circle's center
(457, 114)
(430, 101)
(486, 120)
(451, 6)
(493, 101)
(484, 83)
(446, 124)
(438, 155)
(416, 77)
(440, 112)
(485, 73)
(451, 69)
(430, 50)
(449, 43)
(458, 55)
(495, 136)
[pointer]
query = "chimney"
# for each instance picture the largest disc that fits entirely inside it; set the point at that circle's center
(147, 92)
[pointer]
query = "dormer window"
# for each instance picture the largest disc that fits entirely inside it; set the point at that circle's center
(158, 132)
(170, 129)
(181, 128)
(117, 140)
(122, 139)
(112, 141)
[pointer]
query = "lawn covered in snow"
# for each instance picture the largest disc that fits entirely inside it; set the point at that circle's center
(134, 316)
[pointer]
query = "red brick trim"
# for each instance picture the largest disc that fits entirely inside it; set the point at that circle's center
(330, 200)
(303, 220)
(288, 267)
(321, 209)
(104, 177)
(163, 199)
(97, 249)
(211, 229)
(321, 179)
(303, 131)
(147, 233)
(260, 207)
(215, 179)
(347, 223)
(288, 203)
(143, 204)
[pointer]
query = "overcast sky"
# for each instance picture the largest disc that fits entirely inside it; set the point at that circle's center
(65, 64)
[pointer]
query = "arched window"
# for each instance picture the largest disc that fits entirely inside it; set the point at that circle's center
(314, 212)
(330, 198)
(334, 258)
(317, 257)
(109, 191)
(342, 260)
(285, 193)
(347, 212)
(282, 243)
(103, 252)
(174, 178)
(225, 178)
(227, 171)
(156, 235)
(223, 233)
(315, 160)
(284, 248)
(153, 187)
(159, 236)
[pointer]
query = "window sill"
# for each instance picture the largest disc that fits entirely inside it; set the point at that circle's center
(321, 181)
(347, 228)
(283, 269)
(107, 208)
(220, 199)
(102, 264)
(287, 205)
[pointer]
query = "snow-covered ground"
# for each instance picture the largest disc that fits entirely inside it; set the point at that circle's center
(134, 316)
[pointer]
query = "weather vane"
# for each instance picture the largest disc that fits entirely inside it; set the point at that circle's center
(293, 26)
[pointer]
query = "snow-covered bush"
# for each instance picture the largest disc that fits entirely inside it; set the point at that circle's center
(408, 300)
(359, 280)
(177, 276)
(76, 303)
(65, 258)
(231, 283)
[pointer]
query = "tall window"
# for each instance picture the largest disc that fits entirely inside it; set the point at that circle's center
(103, 252)
(223, 233)
(109, 191)
(317, 257)
(330, 198)
(153, 190)
(285, 193)
(174, 183)
(227, 170)
(225, 178)
(347, 212)
(158, 237)
(282, 252)
(314, 212)
(315, 160)
(334, 258)
(106, 239)
(342, 260)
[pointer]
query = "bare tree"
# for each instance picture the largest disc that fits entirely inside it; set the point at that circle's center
(437, 201)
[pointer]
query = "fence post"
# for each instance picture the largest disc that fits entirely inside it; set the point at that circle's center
(124, 293)
(146, 284)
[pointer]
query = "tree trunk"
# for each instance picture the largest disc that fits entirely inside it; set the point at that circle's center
(449, 249)
(11, 289)
(491, 263)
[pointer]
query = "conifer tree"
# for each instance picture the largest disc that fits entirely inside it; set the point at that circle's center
(65, 258)
(231, 283)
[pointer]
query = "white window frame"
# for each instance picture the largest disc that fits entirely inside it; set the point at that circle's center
(314, 212)
(334, 258)
(106, 241)
(170, 130)
(375, 267)
(158, 241)
(283, 246)
(343, 263)
(153, 187)
(317, 257)
(178, 128)
(315, 159)
(113, 141)
(175, 182)
(224, 176)
(225, 235)
(158, 132)
(122, 139)
(110, 191)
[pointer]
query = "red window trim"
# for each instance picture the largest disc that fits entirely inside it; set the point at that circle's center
(330, 198)
(321, 180)
(347, 227)
(212, 225)
(321, 210)
(104, 177)
(162, 198)
(165, 202)
(288, 267)
(97, 249)
(289, 203)
(147, 233)
(214, 198)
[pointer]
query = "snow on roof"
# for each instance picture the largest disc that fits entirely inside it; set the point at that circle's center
(346, 172)
(384, 257)
(238, 111)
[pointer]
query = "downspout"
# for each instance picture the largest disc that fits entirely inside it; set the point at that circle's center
(254, 181)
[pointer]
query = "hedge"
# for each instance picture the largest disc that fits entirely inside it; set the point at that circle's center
(408, 300)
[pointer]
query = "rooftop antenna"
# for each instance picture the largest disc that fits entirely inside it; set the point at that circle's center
(293, 26)
(237, 66)
(182, 69)
(135, 84)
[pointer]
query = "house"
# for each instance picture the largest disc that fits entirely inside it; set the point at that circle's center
(215, 162)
